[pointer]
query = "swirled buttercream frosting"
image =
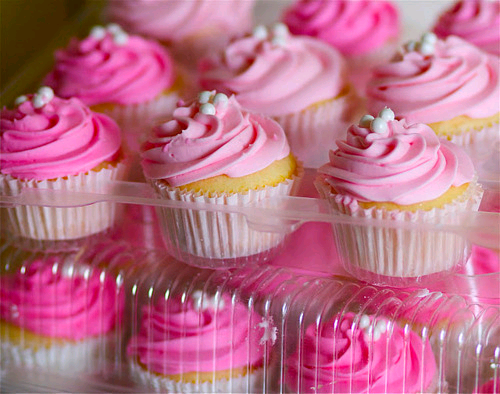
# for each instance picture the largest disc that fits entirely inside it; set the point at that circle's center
(359, 355)
(45, 140)
(207, 139)
(275, 73)
(172, 20)
(476, 21)
(58, 303)
(109, 66)
(203, 333)
(401, 163)
(455, 78)
(352, 27)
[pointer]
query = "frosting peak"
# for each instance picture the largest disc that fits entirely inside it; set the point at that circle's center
(212, 136)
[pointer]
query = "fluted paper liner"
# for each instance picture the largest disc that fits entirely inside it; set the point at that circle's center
(393, 252)
(477, 139)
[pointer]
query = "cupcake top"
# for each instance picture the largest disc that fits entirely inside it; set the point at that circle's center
(200, 333)
(360, 355)
(109, 66)
(436, 80)
(173, 20)
(212, 136)
(46, 137)
(275, 73)
(387, 160)
(353, 27)
(60, 300)
(476, 21)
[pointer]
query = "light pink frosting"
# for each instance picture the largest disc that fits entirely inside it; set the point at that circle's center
(352, 27)
(340, 357)
(406, 164)
(54, 305)
(177, 337)
(458, 79)
(276, 79)
(477, 21)
(62, 138)
(194, 146)
(101, 71)
(174, 20)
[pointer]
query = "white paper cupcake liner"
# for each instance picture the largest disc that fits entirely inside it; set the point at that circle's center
(52, 223)
(478, 140)
(250, 383)
(313, 131)
(217, 235)
(402, 253)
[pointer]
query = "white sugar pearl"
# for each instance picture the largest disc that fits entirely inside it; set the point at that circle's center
(426, 48)
(120, 38)
(38, 101)
(429, 37)
(47, 93)
(114, 28)
(20, 100)
(364, 322)
(279, 41)
(378, 126)
(280, 29)
(387, 114)
(411, 46)
(260, 32)
(381, 326)
(220, 99)
(98, 32)
(376, 335)
(366, 121)
(207, 109)
(204, 97)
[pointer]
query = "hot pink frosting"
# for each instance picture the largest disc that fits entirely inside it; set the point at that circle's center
(194, 145)
(57, 305)
(177, 337)
(62, 138)
(102, 71)
(353, 27)
(275, 79)
(173, 20)
(406, 164)
(340, 357)
(477, 21)
(458, 79)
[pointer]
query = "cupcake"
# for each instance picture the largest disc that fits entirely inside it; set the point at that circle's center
(366, 32)
(188, 28)
(351, 354)
(214, 152)
(476, 21)
(298, 81)
(57, 314)
(51, 143)
(131, 79)
(400, 172)
(201, 344)
(448, 84)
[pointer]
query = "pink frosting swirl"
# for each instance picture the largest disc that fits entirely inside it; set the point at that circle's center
(406, 164)
(341, 357)
(477, 21)
(353, 27)
(457, 79)
(173, 20)
(178, 337)
(56, 305)
(276, 79)
(103, 71)
(62, 138)
(194, 145)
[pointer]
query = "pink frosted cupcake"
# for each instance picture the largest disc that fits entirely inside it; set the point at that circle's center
(400, 172)
(50, 143)
(450, 84)
(476, 21)
(201, 344)
(57, 315)
(298, 81)
(351, 354)
(366, 32)
(189, 28)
